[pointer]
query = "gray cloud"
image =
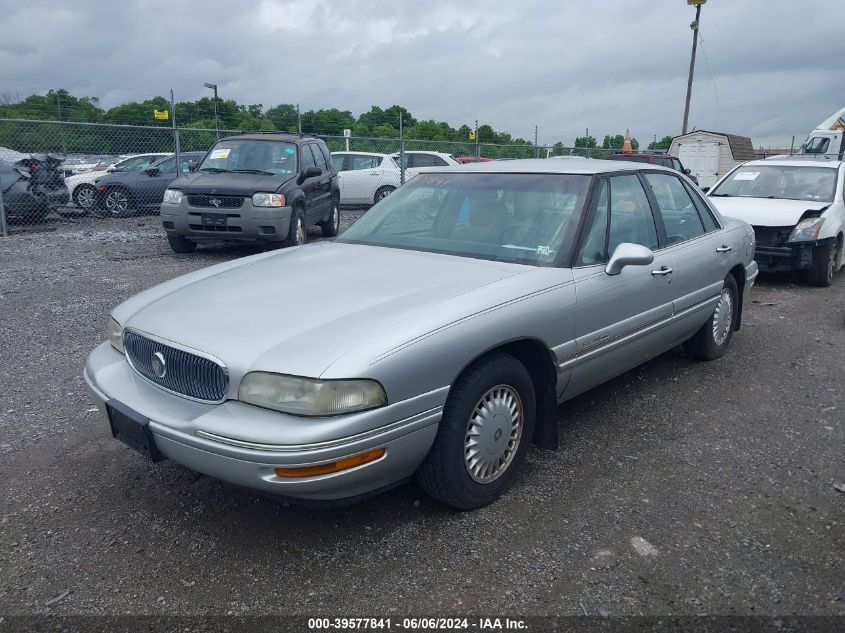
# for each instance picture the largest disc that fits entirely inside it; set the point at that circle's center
(564, 66)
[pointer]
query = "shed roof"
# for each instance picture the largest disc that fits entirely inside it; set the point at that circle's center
(741, 146)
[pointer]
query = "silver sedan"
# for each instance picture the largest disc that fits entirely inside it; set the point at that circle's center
(433, 339)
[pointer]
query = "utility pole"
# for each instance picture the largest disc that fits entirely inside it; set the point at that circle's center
(298, 119)
(176, 147)
(694, 27)
(401, 150)
(536, 145)
(216, 118)
(477, 144)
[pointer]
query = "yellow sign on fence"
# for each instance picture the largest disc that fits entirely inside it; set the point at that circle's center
(161, 115)
(472, 136)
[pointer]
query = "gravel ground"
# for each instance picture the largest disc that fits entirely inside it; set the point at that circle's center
(680, 487)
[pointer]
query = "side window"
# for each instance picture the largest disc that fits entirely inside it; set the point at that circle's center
(680, 216)
(337, 161)
(676, 165)
(167, 166)
(704, 212)
(319, 159)
(421, 160)
(436, 161)
(594, 250)
(306, 158)
(630, 214)
(327, 156)
(363, 162)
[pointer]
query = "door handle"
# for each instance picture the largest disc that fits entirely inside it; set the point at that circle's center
(724, 248)
(664, 270)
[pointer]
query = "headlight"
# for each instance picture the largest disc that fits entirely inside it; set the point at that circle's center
(268, 200)
(115, 334)
(306, 396)
(807, 230)
(173, 196)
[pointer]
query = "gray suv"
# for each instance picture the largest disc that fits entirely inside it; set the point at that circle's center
(266, 188)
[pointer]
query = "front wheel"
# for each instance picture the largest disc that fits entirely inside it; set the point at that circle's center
(484, 434)
(180, 244)
(116, 203)
(85, 197)
(331, 227)
(711, 341)
(825, 258)
(297, 234)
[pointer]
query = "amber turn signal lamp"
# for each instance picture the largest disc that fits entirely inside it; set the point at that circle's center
(333, 467)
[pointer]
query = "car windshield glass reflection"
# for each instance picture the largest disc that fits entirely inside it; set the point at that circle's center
(789, 183)
(251, 156)
(520, 218)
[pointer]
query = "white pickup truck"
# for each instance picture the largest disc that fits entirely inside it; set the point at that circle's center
(828, 139)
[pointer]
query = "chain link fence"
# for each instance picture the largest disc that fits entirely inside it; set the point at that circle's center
(50, 170)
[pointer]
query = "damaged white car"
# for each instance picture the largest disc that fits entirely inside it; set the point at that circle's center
(797, 210)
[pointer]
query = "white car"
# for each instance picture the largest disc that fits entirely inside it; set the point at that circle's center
(364, 178)
(81, 186)
(797, 210)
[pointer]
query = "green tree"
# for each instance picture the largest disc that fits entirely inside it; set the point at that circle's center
(663, 143)
(616, 141)
(283, 117)
(585, 141)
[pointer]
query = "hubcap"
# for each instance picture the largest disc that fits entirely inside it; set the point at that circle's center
(384, 193)
(493, 434)
(723, 317)
(85, 197)
(116, 201)
(300, 232)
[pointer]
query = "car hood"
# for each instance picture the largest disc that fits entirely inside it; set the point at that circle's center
(231, 184)
(299, 310)
(766, 211)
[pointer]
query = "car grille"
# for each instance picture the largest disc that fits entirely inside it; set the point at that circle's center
(225, 202)
(771, 236)
(186, 374)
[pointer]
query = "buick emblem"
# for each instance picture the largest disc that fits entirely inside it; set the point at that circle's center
(215, 202)
(159, 364)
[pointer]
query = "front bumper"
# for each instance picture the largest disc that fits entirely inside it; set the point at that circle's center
(245, 223)
(210, 438)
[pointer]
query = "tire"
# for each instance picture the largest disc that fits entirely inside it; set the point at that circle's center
(331, 227)
(298, 233)
(117, 202)
(383, 192)
(85, 196)
(180, 244)
(825, 258)
(714, 337)
(449, 472)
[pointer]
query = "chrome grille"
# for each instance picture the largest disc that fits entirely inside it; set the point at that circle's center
(186, 374)
(223, 202)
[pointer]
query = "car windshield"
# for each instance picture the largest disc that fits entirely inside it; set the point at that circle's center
(251, 156)
(780, 181)
(519, 218)
(137, 163)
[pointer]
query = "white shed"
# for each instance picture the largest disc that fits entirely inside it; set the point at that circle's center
(710, 155)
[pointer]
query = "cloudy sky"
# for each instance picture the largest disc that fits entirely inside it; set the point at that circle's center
(565, 66)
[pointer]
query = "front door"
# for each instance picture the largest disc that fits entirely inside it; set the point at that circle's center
(620, 319)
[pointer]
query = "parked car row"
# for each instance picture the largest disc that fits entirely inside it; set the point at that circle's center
(461, 310)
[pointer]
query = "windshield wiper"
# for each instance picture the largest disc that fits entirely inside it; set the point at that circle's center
(216, 170)
(252, 171)
(721, 195)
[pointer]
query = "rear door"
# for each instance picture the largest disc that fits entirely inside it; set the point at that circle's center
(324, 186)
(620, 319)
(360, 179)
(310, 186)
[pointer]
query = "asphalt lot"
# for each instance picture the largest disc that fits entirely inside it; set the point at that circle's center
(680, 487)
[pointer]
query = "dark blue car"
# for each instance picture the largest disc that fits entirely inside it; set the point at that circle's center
(121, 192)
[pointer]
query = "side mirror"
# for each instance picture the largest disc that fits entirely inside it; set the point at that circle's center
(705, 189)
(312, 171)
(687, 171)
(152, 171)
(627, 254)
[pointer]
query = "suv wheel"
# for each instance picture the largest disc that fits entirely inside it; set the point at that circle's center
(180, 244)
(331, 227)
(297, 234)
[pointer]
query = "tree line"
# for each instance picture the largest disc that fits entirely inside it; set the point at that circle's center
(377, 123)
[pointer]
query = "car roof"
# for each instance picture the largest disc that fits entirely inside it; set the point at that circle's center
(422, 151)
(290, 137)
(544, 166)
(361, 154)
(794, 162)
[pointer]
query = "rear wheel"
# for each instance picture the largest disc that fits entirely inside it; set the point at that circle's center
(383, 192)
(181, 244)
(484, 434)
(331, 227)
(825, 260)
(711, 341)
(297, 234)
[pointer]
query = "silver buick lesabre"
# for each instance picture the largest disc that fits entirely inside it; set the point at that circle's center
(433, 339)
